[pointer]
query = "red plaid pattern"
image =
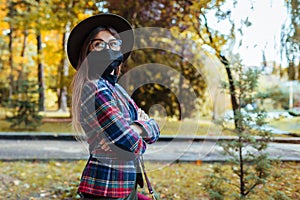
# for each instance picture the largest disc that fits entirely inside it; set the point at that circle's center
(107, 112)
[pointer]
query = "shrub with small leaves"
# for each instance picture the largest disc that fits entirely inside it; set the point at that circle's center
(23, 106)
(246, 154)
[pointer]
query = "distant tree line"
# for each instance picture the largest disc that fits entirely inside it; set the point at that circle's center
(33, 37)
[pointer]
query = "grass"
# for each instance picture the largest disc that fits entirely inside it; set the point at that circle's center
(291, 125)
(55, 127)
(168, 127)
(59, 180)
(59, 122)
(188, 127)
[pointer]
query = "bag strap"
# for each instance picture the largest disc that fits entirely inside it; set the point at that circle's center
(150, 189)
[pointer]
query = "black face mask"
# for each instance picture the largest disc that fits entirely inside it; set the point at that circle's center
(102, 63)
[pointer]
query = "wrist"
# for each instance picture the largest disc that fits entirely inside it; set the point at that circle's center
(137, 129)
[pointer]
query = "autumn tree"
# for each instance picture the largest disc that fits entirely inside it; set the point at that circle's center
(36, 32)
(63, 15)
(290, 39)
(17, 32)
(19, 18)
(26, 115)
(50, 21)
(174, 16)
(246, 154)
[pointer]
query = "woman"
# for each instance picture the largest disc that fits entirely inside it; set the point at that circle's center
(116, 129)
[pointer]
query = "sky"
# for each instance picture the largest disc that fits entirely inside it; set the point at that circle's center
(267, 18)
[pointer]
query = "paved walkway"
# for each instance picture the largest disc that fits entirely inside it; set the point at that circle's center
(163, 138)
(166, 151)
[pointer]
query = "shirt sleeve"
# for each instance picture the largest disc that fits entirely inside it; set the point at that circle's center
(151, 131)
(116, 129)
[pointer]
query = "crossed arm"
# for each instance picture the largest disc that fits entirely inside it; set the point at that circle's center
(141, 116)
(113, 128)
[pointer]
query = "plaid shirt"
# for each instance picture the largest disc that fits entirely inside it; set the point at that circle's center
(107, 112)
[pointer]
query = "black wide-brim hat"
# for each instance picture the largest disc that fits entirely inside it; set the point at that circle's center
(83, 29)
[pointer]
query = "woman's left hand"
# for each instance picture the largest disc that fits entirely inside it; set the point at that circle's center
(104, 145)
(142, 115)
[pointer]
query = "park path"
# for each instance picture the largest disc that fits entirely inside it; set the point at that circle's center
(166, 150)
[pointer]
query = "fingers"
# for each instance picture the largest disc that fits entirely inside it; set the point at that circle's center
(142, 115)
(104, 145)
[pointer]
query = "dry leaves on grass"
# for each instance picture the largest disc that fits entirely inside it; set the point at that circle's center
(59, 180)
(39, 180)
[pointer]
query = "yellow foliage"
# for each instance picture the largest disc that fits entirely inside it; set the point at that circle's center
(3, 13)
(90, 3)
(82, 16)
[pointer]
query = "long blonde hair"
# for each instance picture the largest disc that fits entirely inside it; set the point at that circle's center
(81, 77)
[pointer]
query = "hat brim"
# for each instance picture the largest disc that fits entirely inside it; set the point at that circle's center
(83, 29)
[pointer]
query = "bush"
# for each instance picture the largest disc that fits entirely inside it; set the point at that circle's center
(24, 107)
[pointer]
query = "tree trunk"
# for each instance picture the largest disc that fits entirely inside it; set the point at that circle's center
(232, 90)
(25, 33)
(62, 71)
(291, 71)
(225, 62)
(10, 47)
(11, 63)
(241, 162)
(40, 73)
(61, 77)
